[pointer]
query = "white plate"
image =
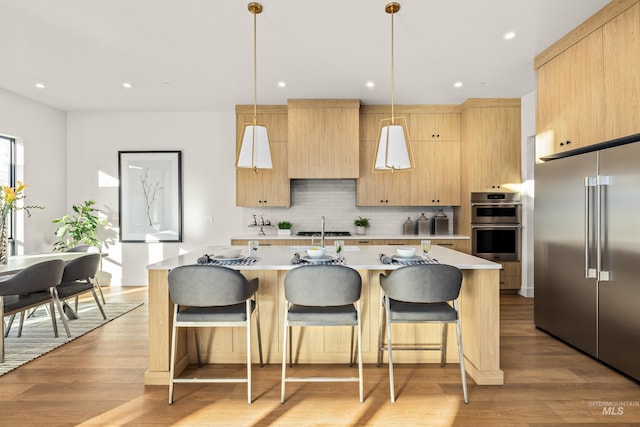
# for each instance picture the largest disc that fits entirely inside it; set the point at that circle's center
(222, 258)
(324, 259)
(402, 259)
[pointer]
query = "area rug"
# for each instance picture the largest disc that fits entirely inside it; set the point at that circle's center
(37, 334)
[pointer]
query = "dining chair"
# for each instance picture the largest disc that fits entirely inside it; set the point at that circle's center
(322, 295)
(206, 296)
(31, 287)
(420, 294)
(77, 280)
(92, 250)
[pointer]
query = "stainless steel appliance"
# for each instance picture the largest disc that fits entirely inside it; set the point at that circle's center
(495, 226)
(587, 253)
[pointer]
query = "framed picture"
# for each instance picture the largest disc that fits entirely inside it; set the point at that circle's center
(150, 196)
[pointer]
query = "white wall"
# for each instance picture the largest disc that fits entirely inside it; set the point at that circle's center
(207, 142)
(40, 132)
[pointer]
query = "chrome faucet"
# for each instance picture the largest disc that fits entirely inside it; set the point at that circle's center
(322, 232)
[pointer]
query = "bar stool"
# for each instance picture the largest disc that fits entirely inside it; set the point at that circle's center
(322, 295)
(206, 296)
(421, 294)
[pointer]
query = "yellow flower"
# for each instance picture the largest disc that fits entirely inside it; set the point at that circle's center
(20, 186)
(9, 194)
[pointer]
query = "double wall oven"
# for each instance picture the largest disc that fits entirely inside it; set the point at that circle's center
(496, 226)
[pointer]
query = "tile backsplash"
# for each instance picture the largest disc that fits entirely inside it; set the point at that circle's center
(335, 199)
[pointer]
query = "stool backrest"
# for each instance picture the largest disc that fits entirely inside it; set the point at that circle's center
(322, 285)
(209, 285)
(423, 283)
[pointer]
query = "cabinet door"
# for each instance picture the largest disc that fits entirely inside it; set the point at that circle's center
(436, 180)
(494, 160)
(434, 127)
(276, 188)
(267, 187)
(621, 38)
(323, 138)
(570, 98)
(370, 189)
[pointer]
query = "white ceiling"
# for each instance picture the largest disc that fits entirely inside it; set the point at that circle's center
(197, 55)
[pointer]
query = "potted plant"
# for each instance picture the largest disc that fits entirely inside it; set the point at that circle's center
(361, 225)
(78, 228)
(284, 228)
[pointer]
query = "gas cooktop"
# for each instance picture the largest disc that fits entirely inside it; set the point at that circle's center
(326, 233)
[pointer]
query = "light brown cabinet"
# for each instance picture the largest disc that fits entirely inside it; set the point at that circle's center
(570, 98)
(589, 86)
(381, 188)
(436, 178)
(491, 144)
(266, 187)
(510, 275)
(434, 132)
(323, 138)
(621, 40)
(434, 126)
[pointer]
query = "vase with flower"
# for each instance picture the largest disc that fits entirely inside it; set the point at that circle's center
(9, 198)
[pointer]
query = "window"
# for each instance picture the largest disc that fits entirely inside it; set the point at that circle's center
(7, 174)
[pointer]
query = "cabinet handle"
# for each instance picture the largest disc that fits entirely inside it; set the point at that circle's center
(445, 244)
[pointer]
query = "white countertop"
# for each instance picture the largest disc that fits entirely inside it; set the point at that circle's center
(253, 236)
(357, 257)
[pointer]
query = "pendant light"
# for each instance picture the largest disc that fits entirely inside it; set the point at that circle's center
(394, 150)
(254, 152)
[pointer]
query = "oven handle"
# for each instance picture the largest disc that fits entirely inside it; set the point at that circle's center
(499, 204)
(496, 226)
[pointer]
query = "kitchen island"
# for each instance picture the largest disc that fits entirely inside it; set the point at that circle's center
(479, 308)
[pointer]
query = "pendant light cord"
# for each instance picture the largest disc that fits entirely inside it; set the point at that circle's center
(393, 79)
(255, 73)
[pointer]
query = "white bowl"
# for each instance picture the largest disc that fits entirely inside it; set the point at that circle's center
(316, 252)
(231, 253)
(406, 252)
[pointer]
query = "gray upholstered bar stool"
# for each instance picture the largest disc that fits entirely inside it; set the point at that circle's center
(420, 294)
(206, 296)
(322, 295)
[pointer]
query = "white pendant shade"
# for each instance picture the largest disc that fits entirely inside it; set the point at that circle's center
(393, 151)
(255, 151)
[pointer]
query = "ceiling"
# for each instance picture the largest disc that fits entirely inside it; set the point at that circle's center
(197, 55)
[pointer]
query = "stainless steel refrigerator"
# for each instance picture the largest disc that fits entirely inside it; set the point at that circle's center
(587, 253)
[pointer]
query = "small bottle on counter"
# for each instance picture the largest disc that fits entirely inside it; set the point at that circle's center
(423, 225)
(408, 227)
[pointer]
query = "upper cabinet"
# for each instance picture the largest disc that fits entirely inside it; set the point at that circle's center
(434, 132)
(588, 84)
(266, 187)
(570, 98)
(621, 40)
(491, 140)
(323, 140)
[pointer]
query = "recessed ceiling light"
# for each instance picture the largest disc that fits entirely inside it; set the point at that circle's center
(127, 85)
(509, 35)
(40, 85)
(165, 84)
(370, 84)
(282, 84)
(457, 84)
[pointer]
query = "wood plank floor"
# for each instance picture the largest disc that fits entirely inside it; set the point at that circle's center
(98, 380)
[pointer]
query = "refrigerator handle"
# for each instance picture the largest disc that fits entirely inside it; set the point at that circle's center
(590, 272)
(603, 182)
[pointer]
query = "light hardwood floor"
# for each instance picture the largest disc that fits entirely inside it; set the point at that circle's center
(98, 380)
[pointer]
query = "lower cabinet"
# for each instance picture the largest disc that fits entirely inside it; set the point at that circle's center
(510, 275)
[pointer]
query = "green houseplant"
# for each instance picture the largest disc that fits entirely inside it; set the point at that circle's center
(284, 228)
(78, 228)
(361, 225)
